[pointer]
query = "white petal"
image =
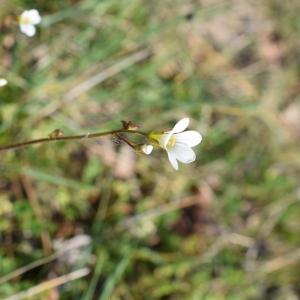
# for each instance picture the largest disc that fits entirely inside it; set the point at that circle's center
(173, 160)
(29, 30)
(165, 138)
(34, 16)
(147, 149)
(191, 138)
(24, 16)
(183, 153)
(181, 125)
(3, 82)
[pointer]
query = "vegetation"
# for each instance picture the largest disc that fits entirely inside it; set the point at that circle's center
(224, 227)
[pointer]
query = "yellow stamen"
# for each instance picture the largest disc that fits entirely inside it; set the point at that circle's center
(157, 138)
(172, 142)
(24, 21)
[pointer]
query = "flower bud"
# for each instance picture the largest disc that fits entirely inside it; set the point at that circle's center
(3, 82)
(56, 133)
(147, 149)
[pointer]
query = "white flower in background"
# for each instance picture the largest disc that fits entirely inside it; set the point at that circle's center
(28, 20)
(178, 143)
(147, 149)
(3, 82)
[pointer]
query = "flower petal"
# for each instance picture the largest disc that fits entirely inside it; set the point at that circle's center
(181, 125)
(190, 138)
(165, 138)
(172, 160)
(183, 153)
(29, 30)
(34, 16)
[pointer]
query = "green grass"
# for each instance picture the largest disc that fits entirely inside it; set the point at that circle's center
(224, 227)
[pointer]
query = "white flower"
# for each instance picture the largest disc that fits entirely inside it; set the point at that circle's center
(178, 143)
(28, 20)
(3, 82)
(147, 149)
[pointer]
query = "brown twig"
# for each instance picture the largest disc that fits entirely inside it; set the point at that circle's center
(125, 140)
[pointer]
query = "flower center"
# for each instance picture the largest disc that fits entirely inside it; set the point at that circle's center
(172, 142)
(159, 138)
(25, 21)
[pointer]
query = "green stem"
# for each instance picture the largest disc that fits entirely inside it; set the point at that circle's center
(68, 138)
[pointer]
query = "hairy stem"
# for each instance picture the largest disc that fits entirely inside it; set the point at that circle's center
(69, 138)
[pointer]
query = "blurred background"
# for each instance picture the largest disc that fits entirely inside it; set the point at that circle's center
(224, 227)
